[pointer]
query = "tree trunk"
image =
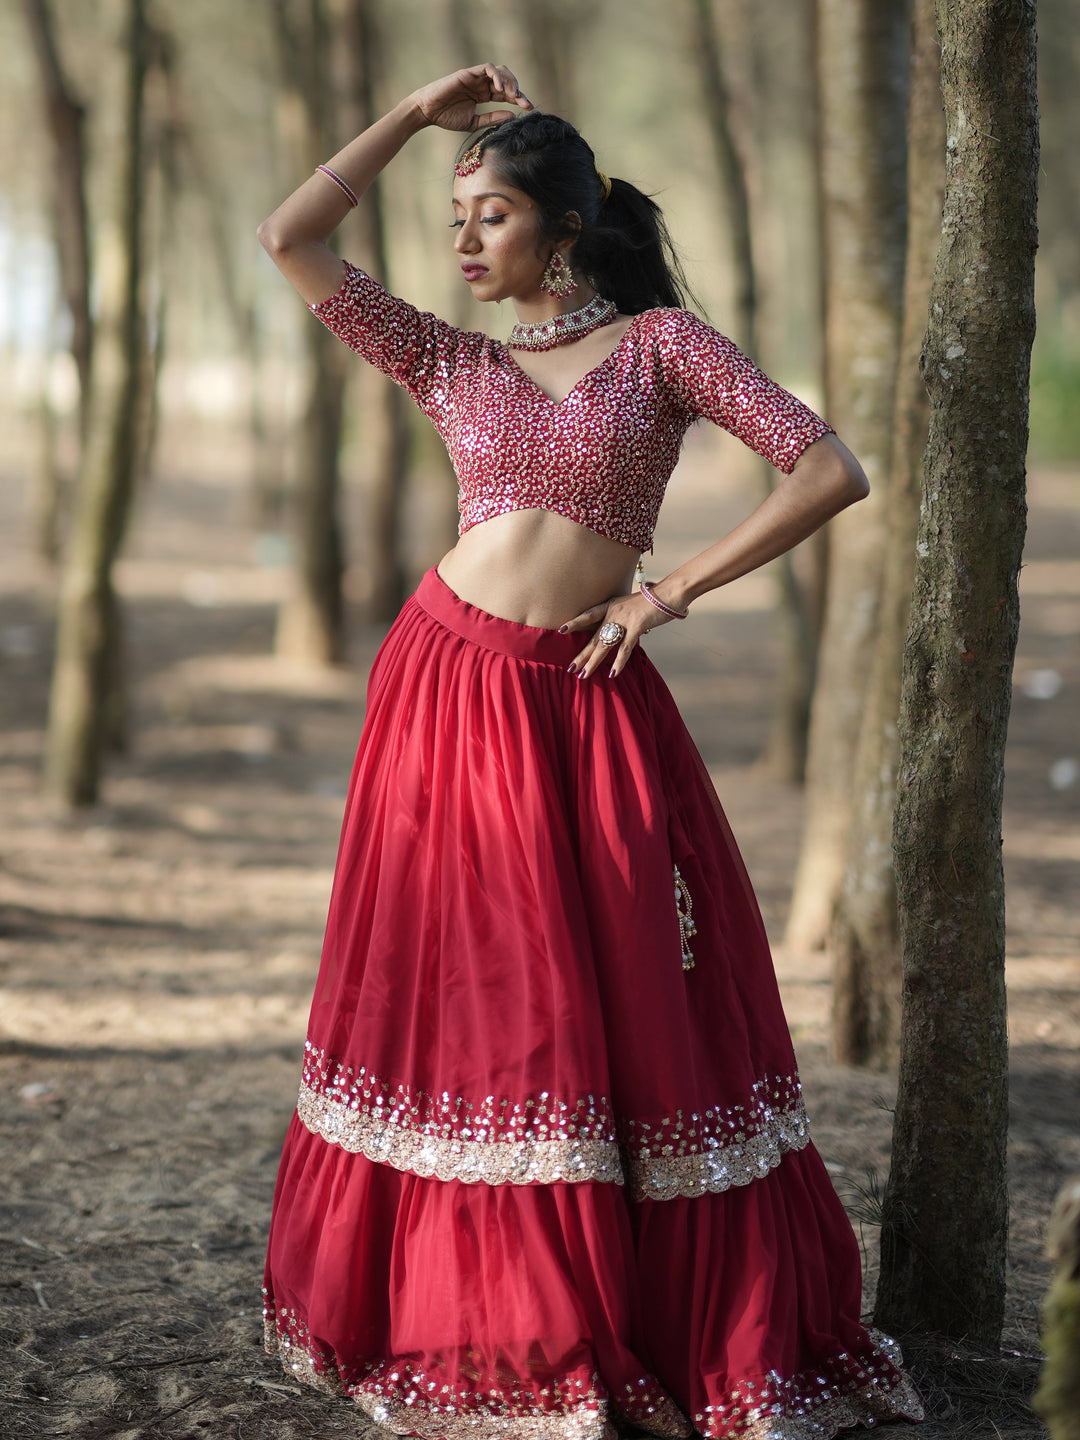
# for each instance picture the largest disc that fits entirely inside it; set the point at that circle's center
(865, 941)
(945, 1215)
(552, 35)
(862, 67)
(310, 620)
(389, 445)
(85, 694)
(785, 755)
(66, 117)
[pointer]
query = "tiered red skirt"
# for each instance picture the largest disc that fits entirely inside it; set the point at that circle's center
(550, 1165)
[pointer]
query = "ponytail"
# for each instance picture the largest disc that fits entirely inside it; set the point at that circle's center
(629, 254)
(623, 246)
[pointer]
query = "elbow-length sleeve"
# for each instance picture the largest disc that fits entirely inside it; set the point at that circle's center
(416, 349)
(710, 376)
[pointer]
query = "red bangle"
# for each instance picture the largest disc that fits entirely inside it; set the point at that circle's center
(643, 586)
(350, 193)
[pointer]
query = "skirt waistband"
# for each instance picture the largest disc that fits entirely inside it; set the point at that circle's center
(508, 637)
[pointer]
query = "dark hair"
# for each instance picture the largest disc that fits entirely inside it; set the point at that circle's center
(623, 246)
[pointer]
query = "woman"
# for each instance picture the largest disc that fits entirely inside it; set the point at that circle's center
(550, 1165)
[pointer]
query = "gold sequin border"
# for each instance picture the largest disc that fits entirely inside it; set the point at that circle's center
(451, 1156)
(546, 1140)
(856, 1390)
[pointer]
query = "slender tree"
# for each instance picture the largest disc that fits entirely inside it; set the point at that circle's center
(865, 942)
(786, 751)
(550, 29)
(85, 693)
(66, 119)
(387, 421)
(943, 1256)
(862, 70)
(310, 620)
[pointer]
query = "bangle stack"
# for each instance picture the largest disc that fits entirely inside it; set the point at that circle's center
(646, 590)
(349, 192)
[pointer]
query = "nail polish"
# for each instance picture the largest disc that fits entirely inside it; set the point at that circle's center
(563, 629)
(571, 669)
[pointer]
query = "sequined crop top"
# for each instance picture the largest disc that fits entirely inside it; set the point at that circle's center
(603, 455)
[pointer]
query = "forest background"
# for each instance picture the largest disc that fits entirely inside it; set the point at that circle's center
(160, 940)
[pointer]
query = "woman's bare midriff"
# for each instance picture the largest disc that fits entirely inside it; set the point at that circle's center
(536, 567)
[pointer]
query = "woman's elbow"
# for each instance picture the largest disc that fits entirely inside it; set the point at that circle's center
(845, 478)
(270, 238)
(853, 484)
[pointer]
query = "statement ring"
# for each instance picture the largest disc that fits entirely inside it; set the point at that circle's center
(611, 634)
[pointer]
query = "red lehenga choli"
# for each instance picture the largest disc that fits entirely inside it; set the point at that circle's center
(550, 1167)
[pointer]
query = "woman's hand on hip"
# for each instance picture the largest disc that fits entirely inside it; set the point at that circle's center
(636, 616)
(451, 102)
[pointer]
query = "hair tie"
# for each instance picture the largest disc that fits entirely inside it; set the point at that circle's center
(605, 186)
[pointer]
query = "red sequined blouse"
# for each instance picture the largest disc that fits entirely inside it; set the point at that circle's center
(603, 455)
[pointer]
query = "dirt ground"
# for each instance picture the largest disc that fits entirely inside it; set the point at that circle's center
(158, 954)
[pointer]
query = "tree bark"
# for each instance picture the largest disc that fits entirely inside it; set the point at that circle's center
(310, 620)
(865, 941)
(862, 66)
(85, 694)
(943, 1256)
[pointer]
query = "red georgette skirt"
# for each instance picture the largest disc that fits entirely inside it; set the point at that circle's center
(547, 1170)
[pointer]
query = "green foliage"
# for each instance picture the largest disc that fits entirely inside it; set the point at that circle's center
(1055, 400)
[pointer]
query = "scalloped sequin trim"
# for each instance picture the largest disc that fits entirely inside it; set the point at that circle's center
(401, 1397)
(814, 1405)
(543, 1140)
(817, 1404)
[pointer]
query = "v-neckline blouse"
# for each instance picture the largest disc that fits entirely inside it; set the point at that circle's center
(509, 351)
(603, 454)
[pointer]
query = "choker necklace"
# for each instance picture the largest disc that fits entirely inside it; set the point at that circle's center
(544, 334)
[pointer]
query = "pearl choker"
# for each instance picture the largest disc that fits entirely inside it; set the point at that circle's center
(544, 334)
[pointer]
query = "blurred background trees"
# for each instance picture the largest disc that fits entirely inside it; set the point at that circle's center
(797, 147)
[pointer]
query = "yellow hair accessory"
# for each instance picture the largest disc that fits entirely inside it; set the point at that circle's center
(605, 185)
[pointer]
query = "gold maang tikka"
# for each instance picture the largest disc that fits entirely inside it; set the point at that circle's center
(470, 161)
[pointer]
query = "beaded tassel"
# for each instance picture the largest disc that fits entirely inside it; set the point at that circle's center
(687, 928)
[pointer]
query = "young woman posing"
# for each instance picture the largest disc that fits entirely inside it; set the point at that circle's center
(550, 1166)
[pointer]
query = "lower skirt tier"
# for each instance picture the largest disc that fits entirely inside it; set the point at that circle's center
(448, 1309)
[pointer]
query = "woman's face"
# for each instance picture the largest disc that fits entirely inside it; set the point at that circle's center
(498, 237)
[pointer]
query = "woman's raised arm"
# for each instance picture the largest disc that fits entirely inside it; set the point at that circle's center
(295, 236)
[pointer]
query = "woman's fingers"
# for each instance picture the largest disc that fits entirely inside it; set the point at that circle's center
(504, 85)
(633, 613)
(587, 619)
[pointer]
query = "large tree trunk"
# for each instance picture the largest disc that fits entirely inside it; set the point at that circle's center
(85, 692)
(785, 755)
(865, 941)
(862, 67)
(945, 1215)
(310, 620)
(389, 433)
